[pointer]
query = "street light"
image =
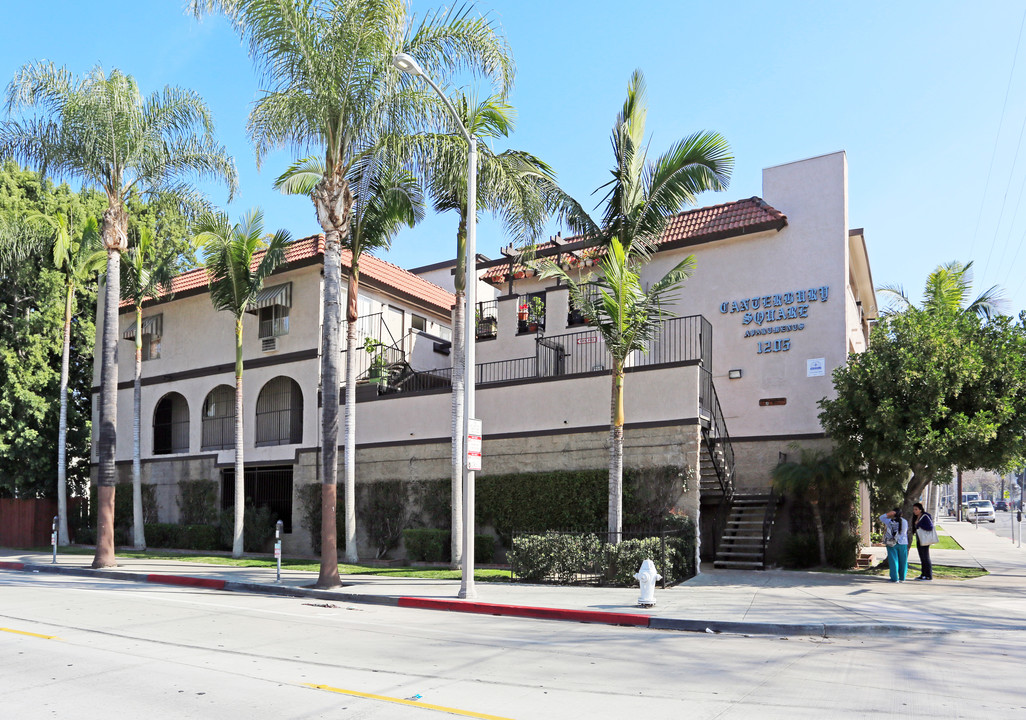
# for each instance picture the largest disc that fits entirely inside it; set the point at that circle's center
(408, 65)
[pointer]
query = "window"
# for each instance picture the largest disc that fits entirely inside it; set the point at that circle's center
(531, 312)
(271, 306)
(279, 413)
(171, 425)
(152, 330)
(265, 487)
(274, 321)
(219, 419)
(418, 323)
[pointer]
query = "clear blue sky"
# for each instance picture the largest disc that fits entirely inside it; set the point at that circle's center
(915, 92)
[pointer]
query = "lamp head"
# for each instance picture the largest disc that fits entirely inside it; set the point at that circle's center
(407, 64)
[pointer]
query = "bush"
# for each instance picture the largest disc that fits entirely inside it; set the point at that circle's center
(182, 537)
(427, 544)
(257, 529)
(560, 557)
(384, 510)
(433, 545)
(624, 559)
(197, 502)
(842, 551)
(802, 551)
(123, 513)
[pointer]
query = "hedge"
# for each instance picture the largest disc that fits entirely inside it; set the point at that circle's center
(431, 545)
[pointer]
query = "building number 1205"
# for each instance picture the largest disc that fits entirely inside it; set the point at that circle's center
(772, 346)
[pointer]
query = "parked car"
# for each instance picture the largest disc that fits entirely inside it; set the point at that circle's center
(980, 511)
(1001, 505)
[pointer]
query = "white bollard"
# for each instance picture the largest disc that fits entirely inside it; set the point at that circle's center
(647, 578)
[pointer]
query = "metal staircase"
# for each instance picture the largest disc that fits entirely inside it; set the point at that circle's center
(747, 532)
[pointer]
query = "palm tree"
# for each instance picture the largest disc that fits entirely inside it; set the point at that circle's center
(639, 199)
(948, 289)
(331, 88)
(77, 259)
(385, 197)
(814, 476)
(515, 186)
(628, 318)
(147, 273)
(229, 253)
(101, 130)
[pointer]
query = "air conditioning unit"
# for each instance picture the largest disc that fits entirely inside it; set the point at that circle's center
(269, 344)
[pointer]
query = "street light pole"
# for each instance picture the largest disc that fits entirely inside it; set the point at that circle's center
(408, 65)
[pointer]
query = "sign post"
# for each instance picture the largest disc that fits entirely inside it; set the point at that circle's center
(277, 548)
(53, 539)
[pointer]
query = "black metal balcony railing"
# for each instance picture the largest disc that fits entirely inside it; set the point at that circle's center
(487, 317)
(681, 339)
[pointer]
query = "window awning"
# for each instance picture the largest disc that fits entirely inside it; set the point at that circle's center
(152, 325)
(274, 295)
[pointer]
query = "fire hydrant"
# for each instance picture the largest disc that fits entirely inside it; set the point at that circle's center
(647, 578)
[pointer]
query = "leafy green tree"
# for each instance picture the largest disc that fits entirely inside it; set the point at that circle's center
(236, 276)
(932, 391)
(331, 88)
(513, 185)
(640, 198)
(100, 129)
(147, 272)
(814, 476)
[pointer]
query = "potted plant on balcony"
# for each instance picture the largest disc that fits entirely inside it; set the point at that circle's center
(378, 363)
(535, 314)
(486, 326)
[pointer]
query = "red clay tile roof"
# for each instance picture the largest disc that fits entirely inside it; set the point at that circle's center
(371, 268)
(703, 224)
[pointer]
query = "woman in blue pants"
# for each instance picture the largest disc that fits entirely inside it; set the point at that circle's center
(896, 539)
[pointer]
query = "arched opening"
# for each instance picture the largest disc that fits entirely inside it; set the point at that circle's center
(279, 413)
(171, 425)
(219, 419)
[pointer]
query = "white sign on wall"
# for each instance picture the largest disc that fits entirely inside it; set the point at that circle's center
(816, 367)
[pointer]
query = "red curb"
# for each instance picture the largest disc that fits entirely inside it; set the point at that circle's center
(189, 581)
(12, 566)
(538, 613)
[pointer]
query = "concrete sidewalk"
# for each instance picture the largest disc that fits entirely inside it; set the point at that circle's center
(778, 602)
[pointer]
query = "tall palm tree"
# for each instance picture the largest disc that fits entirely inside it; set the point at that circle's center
(331, 88)
(639, 199)
(229, 253)
(628, 318)
(385, 197)
(948, 289)
(77, 259)
(814, 476)
(146, 273)
(100, 129)
(515, 186)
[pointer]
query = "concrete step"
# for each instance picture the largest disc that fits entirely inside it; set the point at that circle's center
(738, 565)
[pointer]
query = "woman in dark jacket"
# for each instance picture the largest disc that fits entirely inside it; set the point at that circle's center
(922, 520)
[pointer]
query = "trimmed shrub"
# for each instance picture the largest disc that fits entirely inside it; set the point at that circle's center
(197, 502)
(257, 529)
(427, 544)
(384, 510)
(182, 537)
(432, 545)
(123, 513)
(624, 559)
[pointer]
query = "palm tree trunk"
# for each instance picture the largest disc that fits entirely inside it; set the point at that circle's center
(62, 432)
(459, 379)
(328, 576)
(820, 535)
(138, 532)
(240, 465)
(106, 477)
(615, 512)
(349, 458)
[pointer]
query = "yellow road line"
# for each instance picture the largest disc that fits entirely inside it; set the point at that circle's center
(401, 701)
(22, 632)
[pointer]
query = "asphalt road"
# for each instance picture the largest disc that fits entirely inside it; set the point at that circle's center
(80, 648)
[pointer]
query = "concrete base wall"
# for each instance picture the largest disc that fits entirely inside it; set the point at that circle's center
(645, 447)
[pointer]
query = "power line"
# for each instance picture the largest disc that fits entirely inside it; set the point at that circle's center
(997, 137)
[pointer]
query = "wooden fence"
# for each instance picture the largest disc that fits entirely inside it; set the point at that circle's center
(26, 523)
